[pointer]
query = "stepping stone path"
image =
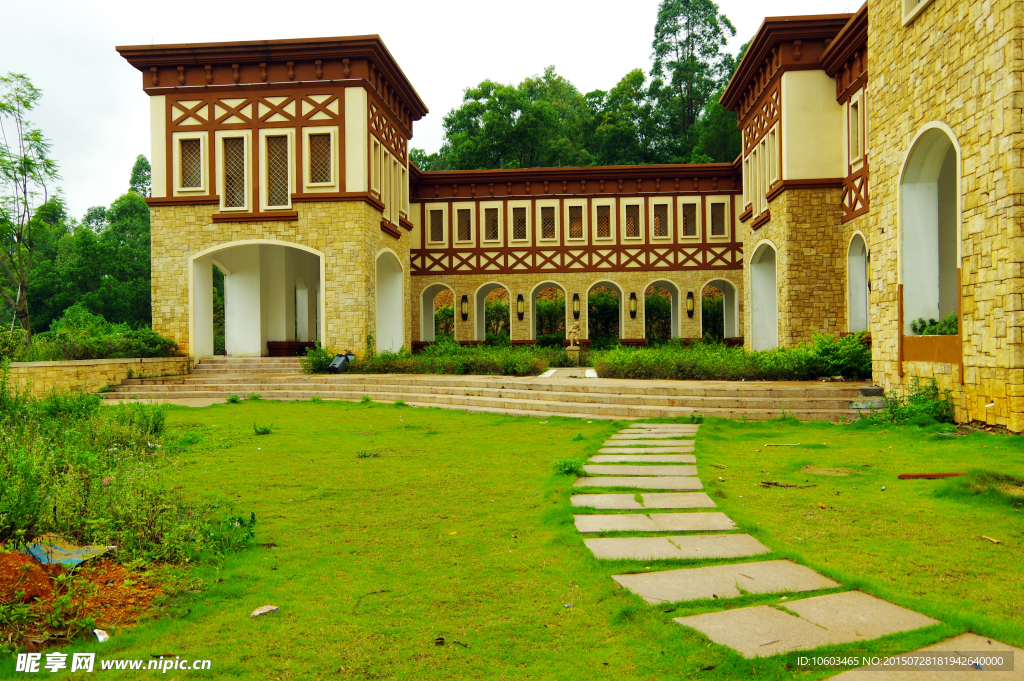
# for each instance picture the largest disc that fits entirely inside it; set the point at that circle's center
(756, 631)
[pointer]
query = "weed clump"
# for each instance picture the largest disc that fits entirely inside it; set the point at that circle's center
(234, 399)
(367, 455)
(262, 430)
(254, 397)
(568, 466)
(920, 404)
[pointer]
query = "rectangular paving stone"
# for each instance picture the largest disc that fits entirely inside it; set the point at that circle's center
(657, 522)
(958, 645)
(723, 581)
(694, 426)
(677, 500)
(644, 458)
(656, 431)
(856, 615)
(622, 522)
(836, 618)
(643, 450)
(682, 547)
(648, 443)
(647, 482)
(692, 522)
(624, 502)
(640, 470)
(647, 436)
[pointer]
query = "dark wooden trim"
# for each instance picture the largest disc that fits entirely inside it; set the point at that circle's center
(854, 87)
(402, 222)
(776, 189)
(940, 349)
(899, 323)
(633, 342)
(203, 200)
(389, 229)
(283, 216)
(523, 342)
(747, 213)
(761, 220)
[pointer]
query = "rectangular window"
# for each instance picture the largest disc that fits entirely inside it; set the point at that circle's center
(855, 132)
(191, 155)
(661, 219)
(746, 181)
(320, 158)
(604, 222)
(773, 156)
(717, 219)
(375, 167)
(575, 222)
(437, 226)
(277, 171)
(519, 223)
(764, 171)
(689, 219)
(465, 226)
(234, 172)
(547, 222)
(491, 224)
(632, 221)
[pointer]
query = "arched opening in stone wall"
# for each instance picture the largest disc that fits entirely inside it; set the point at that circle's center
(764, 299)
(437, 312)
(390, 330)
(662, 310)
(547, 314)
(929, 212)
(857, 284)
(492, 313)
(604, 314)
(720, 309)
(270, 294)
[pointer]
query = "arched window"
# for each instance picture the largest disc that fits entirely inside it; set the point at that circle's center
(764, 298)
(857, 284)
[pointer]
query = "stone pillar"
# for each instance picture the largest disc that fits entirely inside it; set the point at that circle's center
(242, 312)
(273, 293)
(202, 307)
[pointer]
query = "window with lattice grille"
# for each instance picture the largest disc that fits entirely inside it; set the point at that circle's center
(518, 223)
(547, 222)
(320, 159)
(604, 222)
(437, 226)
(464, 217)
(277, 171)
(234, 172)
(491, 224)
(632, 221)
(575, 222)
(191, 155)
(661, 219)
(717, 219)
(689, 219)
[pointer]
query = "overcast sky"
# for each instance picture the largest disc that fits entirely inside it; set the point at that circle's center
(94, 111)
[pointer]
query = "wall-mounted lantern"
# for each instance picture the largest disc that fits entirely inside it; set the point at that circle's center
(520, 307)
(689, 304)
(632, 305)
(575, 306)
(465, 307)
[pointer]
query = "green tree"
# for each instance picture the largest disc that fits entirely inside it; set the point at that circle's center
(26, 171)
(688, 58)
(141, 178)
(630, 128)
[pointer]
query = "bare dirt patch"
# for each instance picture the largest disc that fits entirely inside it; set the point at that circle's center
(834, 472)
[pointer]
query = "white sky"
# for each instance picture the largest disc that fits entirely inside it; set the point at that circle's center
(95, 113)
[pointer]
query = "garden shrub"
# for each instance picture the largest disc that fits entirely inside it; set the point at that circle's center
(947, 326)
(80, 334)
(921, 403)
(568, 466)
(317, 359)
(95, 475)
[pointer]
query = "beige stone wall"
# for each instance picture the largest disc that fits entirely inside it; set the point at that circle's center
(628, 282)
(959, 64)
(347, 233)
(806, 230)
(92, 374)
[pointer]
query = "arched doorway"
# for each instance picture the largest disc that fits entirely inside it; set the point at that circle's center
(437, 312)
(548, 313)
(604, 314)
(662, 310)
(857, 284)
(721, 314)
(491, 311)
(930, 220)
(270, 293)
(390, 303)
(764, 299)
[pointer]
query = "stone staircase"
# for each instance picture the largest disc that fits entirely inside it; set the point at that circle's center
(565, 395)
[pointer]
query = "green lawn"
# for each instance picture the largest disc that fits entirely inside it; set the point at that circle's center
(458, 529)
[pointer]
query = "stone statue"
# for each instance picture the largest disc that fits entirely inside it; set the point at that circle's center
(574, 335)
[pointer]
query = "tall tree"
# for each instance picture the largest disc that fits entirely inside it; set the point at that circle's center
(141, 179)
(26, 171)
(688, 40)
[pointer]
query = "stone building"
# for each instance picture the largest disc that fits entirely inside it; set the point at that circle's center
(879, 183)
